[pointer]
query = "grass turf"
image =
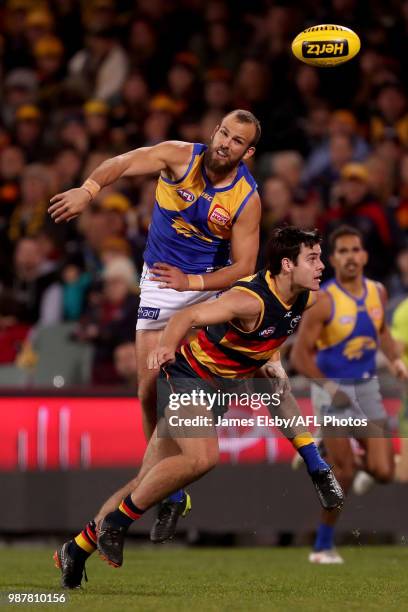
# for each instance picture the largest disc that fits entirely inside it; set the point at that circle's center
(218, 579)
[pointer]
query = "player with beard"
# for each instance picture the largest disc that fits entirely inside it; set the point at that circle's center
(336, 345)
(204, 236)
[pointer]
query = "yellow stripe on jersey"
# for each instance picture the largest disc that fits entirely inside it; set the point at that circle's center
(272, 286)
(261, 314)
(166, 193)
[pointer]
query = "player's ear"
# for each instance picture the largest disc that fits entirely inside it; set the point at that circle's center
(249, 152)
(287, 265)
(217, 127)
(365, 257)
(331, 260)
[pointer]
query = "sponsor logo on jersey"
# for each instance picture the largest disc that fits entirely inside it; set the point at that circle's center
(346, 319)
(335, 48)
(267, 332)
(186, 195)
(219, 215)
(145, 312)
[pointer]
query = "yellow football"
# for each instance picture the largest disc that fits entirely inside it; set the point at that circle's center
(326, 45)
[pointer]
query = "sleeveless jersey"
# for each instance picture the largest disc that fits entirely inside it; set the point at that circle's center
(227, 351)
(192, 220)
(349, 340)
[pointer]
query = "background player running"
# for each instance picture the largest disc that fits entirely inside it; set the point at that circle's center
(204, 235)
(245, 328)
(337, 341)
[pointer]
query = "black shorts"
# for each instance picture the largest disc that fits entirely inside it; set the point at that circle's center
(179, 377)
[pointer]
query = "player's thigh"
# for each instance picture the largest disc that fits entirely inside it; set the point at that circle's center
(146, 341)
(379, 458)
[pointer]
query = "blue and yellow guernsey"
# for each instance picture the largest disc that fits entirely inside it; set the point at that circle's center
(349, 340)
(192, 220)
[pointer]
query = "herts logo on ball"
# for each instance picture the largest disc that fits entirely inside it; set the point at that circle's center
(219, 215)
(185, 195)
(335, 48)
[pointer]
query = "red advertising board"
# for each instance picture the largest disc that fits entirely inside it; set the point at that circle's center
(69, 432)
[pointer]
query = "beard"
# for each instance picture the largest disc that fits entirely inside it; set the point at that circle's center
(216, 165)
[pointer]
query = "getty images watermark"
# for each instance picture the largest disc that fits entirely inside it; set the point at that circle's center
(254, 407)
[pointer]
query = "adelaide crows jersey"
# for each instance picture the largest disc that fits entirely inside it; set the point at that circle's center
(192, 220)
(349, 340)
(228, 351)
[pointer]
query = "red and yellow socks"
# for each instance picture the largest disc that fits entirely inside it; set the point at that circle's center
(84, 544)
(125, 514)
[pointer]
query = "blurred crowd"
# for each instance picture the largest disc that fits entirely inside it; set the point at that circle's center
(83, 81)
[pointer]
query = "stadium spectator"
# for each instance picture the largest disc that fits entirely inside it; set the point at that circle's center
(342, 122)
(34, 289)
(99, 70)
(28, 132)
(20, 88)
(111, 320)
(30, 215)
(390, 117)
(356, 206)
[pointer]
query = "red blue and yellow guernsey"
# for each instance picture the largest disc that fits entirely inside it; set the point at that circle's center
(349, 340)
(192, 220)
(228, 351)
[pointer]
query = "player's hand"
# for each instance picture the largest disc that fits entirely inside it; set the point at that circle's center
(169, 277)
(275, 371)
(160, 356)
(69, 204)
(399, 369)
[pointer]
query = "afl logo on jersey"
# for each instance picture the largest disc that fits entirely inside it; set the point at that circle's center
(267, 332)
(219, 215)
(185, 195)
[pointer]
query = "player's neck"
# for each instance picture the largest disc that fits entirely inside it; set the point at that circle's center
(354, 286)
(285, 289)
(221, 180)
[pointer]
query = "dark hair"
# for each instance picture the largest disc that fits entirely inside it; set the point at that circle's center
(244, 116)
(343, 230)
(287, 242)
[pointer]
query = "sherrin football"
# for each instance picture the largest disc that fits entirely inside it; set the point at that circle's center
(326, 45)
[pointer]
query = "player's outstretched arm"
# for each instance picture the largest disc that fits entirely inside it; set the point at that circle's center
(171, 157)
(231, 305)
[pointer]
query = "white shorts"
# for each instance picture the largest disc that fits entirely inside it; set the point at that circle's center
(158, 305)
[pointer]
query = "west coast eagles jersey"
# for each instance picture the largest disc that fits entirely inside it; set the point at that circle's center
(227, 351)
(349, 340)
(192, 220)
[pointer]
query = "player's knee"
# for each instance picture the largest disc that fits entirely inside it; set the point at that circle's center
(382, 473)
(203, 463)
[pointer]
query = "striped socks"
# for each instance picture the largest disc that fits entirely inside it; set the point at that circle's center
(125, 514)
(84, 544)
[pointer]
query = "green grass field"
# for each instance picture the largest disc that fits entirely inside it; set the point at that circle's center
(218, 579)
